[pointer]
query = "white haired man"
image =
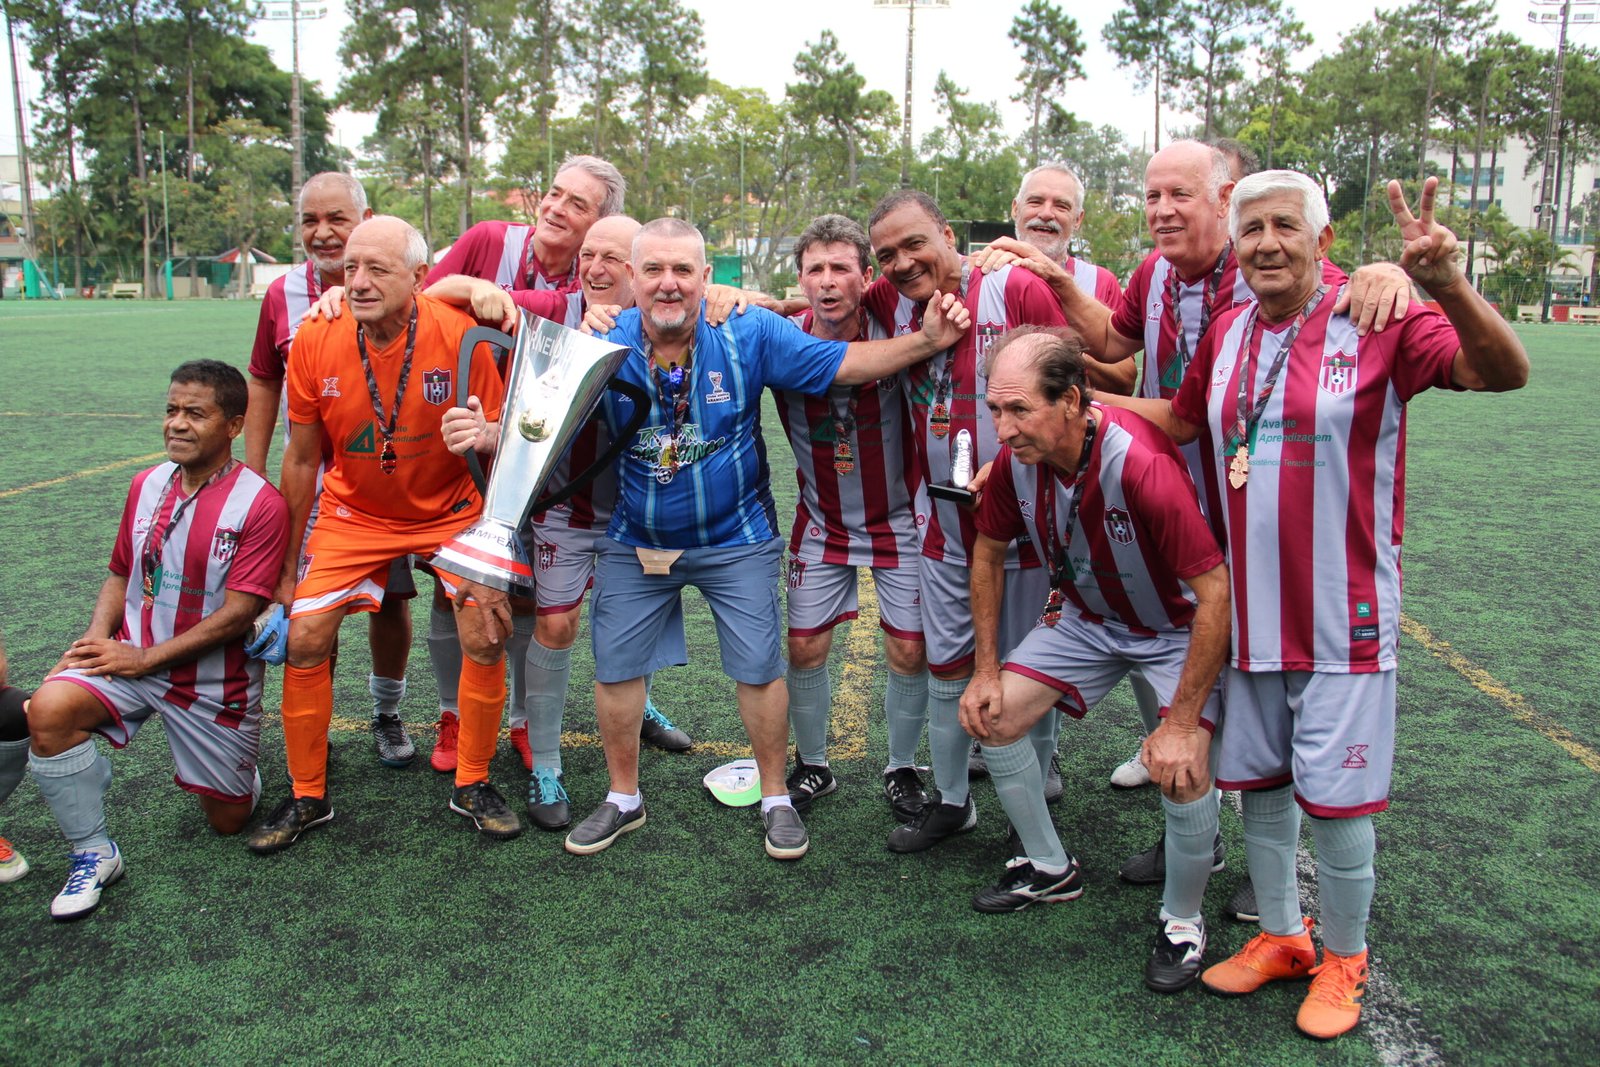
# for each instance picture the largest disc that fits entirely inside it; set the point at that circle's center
(1300, 419)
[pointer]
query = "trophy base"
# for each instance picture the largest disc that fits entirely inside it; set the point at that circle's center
(958, 494)
(491, 553)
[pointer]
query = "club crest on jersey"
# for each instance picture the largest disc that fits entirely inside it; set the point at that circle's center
(547, 556)
(1357, 758)
(1338, 374)
(986, 335)
(1119, 526)
(717, 395)
(436, 385)
(330, 386)
(797, 573)
(224, 544)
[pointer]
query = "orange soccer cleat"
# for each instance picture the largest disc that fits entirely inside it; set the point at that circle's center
(1333, 1006)
(1264, 958)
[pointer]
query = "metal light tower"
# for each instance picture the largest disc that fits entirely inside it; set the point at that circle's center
(294, 12)
(1564, 14)
(911, 32)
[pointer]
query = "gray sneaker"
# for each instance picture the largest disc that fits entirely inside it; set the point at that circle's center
(1242, 905)
(394, 744)
(1150, 866)
(786, 834)
(608, 822)
(1052, 781)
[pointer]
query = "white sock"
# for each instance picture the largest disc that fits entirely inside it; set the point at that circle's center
(625, 802)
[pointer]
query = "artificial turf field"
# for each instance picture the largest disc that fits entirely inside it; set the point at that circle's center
(397, 935)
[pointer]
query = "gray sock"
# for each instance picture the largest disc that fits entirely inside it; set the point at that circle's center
(517, 657)
(1271, 832)
(948, 743)
(1149, 704)
(74, 785)
(1191, 837)
(810, 701)
(548, 670)
(13, 764)
(1345, 848)
(444, 653)
(387, 693)
(905, 706)
(1044, 736)
(1019, 783)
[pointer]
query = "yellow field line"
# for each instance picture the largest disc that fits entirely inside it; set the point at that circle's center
(1497, 691)
(87, 472)
(852, 698)
(79, 415)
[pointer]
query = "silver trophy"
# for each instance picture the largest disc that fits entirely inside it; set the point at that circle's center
(960, 472)
(556, 381)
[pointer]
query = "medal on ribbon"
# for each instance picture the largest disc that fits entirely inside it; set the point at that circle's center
(844, 461)
(1052, 608)
(939, 420)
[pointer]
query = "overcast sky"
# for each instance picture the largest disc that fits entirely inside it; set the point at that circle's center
(967, 38)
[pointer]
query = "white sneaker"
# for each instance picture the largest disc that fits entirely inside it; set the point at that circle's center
(12, 865)
(91, 873)
(1131, 775)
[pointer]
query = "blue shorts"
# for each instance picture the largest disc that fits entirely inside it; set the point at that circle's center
(636, 619)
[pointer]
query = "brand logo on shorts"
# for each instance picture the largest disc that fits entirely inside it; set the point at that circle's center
(1338, 374)
(547, 556)
(224, 544)
(330, 386)
(718, 394)
(1357, 758)
(436, 385)
(797, 573)
(1119, 526)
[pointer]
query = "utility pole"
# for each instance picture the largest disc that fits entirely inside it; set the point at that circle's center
(294, 12)
(1547, 192)
(911, 33)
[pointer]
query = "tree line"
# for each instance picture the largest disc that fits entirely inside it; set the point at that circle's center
(134, 89)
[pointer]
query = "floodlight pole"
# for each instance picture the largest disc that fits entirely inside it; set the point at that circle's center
(22, 140)
(911, 33)
(292, 11)
(1547, 191)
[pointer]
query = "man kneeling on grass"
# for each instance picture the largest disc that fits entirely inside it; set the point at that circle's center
(197, 557)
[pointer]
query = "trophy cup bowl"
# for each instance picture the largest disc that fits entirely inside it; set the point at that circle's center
(557, 379)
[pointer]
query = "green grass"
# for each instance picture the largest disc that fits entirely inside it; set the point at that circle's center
(396, 935)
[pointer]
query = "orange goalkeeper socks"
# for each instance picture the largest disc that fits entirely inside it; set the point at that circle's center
(307, 713)
(482, 696)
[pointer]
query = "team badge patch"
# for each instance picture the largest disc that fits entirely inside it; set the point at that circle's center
(1338, 374)
(436, 385)
(547, 556)
(987, 334)
(797, 573)
(1119, 526)
(224, 544)
(717, 395)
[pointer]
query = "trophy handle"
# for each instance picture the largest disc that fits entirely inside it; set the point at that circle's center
(470, 340)
(641, 411)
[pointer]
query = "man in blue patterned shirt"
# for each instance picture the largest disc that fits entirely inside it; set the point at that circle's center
(694, 507)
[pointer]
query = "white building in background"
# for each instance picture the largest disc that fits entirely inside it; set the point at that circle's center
(1514, 188)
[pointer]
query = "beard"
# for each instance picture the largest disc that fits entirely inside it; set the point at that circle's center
(326, 264)
(669, 321)
(1053, 245)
